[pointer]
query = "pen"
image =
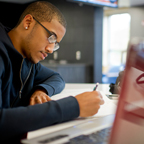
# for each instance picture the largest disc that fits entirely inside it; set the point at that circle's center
(96, 86)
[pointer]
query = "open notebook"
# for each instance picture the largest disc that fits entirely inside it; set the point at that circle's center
(125, 127)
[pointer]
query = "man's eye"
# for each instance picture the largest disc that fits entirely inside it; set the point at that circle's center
(52, 39)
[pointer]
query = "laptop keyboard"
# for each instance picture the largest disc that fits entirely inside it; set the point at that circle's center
(99, 137)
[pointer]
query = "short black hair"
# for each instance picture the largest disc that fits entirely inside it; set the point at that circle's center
(43, 11)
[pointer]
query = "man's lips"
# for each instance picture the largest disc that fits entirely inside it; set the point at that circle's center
(44, 55)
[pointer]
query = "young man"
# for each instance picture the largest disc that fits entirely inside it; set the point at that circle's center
(25, 85)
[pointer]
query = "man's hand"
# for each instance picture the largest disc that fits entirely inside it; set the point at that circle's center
(39, 97)
(89, 103)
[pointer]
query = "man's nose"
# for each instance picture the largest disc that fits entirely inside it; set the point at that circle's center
(50, 48)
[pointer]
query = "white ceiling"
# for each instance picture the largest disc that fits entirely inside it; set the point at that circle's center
(122, 3)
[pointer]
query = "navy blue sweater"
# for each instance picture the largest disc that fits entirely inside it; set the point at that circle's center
(18, 79)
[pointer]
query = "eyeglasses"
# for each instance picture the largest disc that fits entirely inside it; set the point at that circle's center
(52, 38)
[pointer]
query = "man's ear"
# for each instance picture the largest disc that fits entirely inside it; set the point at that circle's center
(28, 21)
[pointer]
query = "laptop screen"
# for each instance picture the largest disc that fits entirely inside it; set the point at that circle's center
(128, 126)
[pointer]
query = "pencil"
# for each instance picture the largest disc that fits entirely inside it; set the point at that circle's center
(96, 86)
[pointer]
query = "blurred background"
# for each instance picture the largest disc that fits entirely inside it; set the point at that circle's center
(95, 46)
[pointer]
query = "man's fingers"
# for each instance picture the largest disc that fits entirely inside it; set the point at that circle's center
(39, 97)
(38, 100)
(101, 101)
(32, 101)
(89, 103)
(35, 100)
(48, 98)
(101, 98)
(44, 99)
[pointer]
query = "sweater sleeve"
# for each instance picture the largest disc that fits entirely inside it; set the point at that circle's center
(17, 121)
(51, 81)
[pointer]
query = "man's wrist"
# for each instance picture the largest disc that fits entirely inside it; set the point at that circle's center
(41, 89)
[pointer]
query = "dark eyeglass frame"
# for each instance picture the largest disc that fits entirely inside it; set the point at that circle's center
(51, 35)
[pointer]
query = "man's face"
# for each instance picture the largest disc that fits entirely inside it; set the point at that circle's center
(36, 44)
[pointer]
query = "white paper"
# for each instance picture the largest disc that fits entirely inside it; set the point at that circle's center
(109, 107)
(106, 109)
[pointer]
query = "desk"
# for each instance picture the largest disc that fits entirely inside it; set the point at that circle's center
(71, 88)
